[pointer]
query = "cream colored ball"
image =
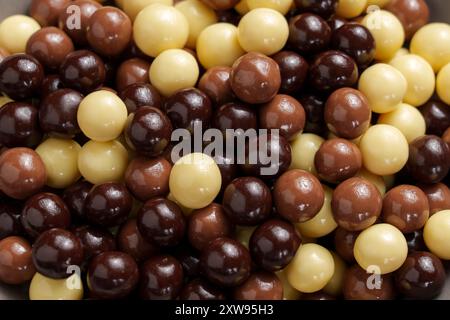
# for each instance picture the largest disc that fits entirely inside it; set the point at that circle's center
(15, 31)
(336, 283)
(133, 7)
(350, 8)
(437, 234)
(282, 6)
(289, 292)
(443, 84)
(44, 288)
(303, 151)
(242, 7)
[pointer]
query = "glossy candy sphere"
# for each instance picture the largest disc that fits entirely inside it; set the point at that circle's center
(16, 265)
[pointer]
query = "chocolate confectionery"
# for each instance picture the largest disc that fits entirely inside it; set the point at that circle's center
(225, 149)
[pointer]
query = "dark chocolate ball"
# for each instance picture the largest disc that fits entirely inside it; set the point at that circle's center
(51, 83)
(314, 106)
(261, 285)
(130, 241)
(139, 95)
(293, 69)
(132, 71)
(75, 197)
(94, 240)
(235, 115)
(344, 241)
(215, 82)
(46, 12)
(308, 33)
(199, 289)
(438, 195)
(323, 8)
(437, 117)
(356, 287)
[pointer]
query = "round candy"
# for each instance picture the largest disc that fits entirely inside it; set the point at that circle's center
(133, 7)
(413, 14)
(46, 12)
(438, 195)
(344, 242)
(304, 148)
(437, 117)
(260, 285)
(309, 33)
(443, 83)
(140, 95)
(75, 196)
(381, 287)
(15, 31)
(130, 241)
(282, 6)
(235, 116)
(44, 288)
(350, 8)
(323, 8)
(16, 264)
(50, 84)
(95, 240)
(133, 71)
(293, 69)
(437, 234)
(391, 248)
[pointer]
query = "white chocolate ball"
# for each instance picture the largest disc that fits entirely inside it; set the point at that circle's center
(336, 283)
(350, 8)
(15, 31)
(44, 288)
(443, 84)
(282, 6)
(133, 7)
(303, 151)
(437, 234)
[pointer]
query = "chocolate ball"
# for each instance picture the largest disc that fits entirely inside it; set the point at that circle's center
(406, 207)
(49, 46)
(356, 204)
(148, 178)
(323, 8)
(255, 78)
(314, 106)
(75, 197)
(162, 222)
(207, 224)
(337, 160)
(132, 71)
(161, 278)
(112, 275)
(429, 159)
(149, 131)
(438, 195)
(228, 169)
(42, 212)
(247, 201)
(19, 125)
(347, 113)
(130, 241)
(422, 276)
(58, 113)
(21, 76)
(22, 173)
(46, 12)
(260, 285)
(356, 288)
(293, 70)
(215, 82)
(139, 95)
(273, 244)
(298, 195)
(415, 241)
(332, 70)
(413, 14)
(199, 289)
(235, 115)
(55, 251)
(344, 241)
(16, 264)
(94, 240)
(226, 262)
(308, 33)
(220, 4)
(51, 83)
(10, 224)
(437, 117)
(108, 204)
(83, 71)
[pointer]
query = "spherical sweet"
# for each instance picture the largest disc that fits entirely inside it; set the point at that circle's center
(323, 8)
(95, 240)
(344, 242)
(387, 31)
(391, 248)
(75, 196)
(413, 14)
(133, 71)
(140, 95)
(45, 288)
(195, 180)
(199, 289)
(387, 160)
(384, 86)
(443, 83)
(160, 27)
(437, 233)
(350, 8)
(218, 45)
(130, 241)
(22, 173)
(303, 149)
(15, 31)
(407, 119)
(432, 42)
(311, 268)
(101, 162)
(46, 12)
(16, 264)
(133, 7)
(308, 33)
(381, 287)
(260, 285)
(438, 195)
(437, 117)
(173, 70)
(235, 116)
(50, 84)
(263, 30)
(282, 6)
(215, 82)
(293, 69)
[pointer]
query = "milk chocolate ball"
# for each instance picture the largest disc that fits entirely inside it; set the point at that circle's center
(16, 264)
(438, 195)
(413, 14)
(260, 285)
(216, 84)
(46, 12)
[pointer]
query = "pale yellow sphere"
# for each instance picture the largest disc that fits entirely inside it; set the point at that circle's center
(303, 151)
(350, 8)
(437, 234)
(384, 149)
(387, 31)
(263, 30)
(375, 179)
(420, 78)
(384, 86)
(102, 115)
(60, 157)
(242, 7)
(15, 32)
(195, 180)
(443, 84)
(198, 15)
(432, 42)
(159, 27)
(407, 119)
(173, 70)
(311, 268)
(44, 288)
(101, 162)
(133, 7)
(289, 292)
(379, 3)
(382, 247)
(243, 234)
(282, 6)
(323, 222)
(4, 100)
(334, 286)
(187, 211)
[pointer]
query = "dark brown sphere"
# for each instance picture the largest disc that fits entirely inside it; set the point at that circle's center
(16, 264)
(10, 224)
(255, 78)
(207, 224)
(226, 262)
(323, 8)
(413, 14)
(347, 113)
(75, 196)
(83, 71)
(94, 240)
(332, 70)
(228, 169)
(22, 173)
(108, 204)
(132, 71)
(51, 83)
(308, 33)
(21, 76)
(215, 82)
(235, 115)
(438, 195)
(149, 131)
(422, 276)
(356, 204)
(429, 159)
(162, 222)
(161, 278)
(355, 285)
(298, 195)
(437, 117)
(19, 125)
(139, 95)
(293, 69)
(199, 289)
(273, 244)
(406, 207)
(130, 241)
(337, 160)
(344, 241)
(260, 285)
(55, 251)
(46, 12)
(314, 106)
(112, 275)
(220, 4)
(42, 212)
(247, 201)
